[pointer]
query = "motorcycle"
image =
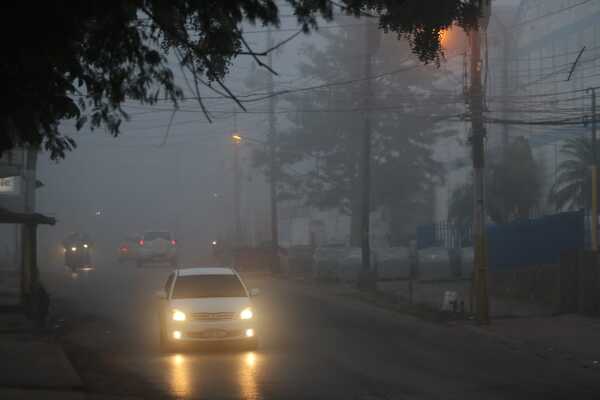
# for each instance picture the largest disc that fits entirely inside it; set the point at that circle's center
(78, 255)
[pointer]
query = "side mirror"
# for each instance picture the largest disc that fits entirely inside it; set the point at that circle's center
(161, 294)
(254, 292)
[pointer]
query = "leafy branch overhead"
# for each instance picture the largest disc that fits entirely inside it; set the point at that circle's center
(81, 61)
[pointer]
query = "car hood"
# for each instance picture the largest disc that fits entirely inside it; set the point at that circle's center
(219, 304)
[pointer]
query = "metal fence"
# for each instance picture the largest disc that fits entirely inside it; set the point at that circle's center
(444, 234)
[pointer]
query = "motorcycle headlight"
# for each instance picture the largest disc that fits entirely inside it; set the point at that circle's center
(73, 248)
(246, 313)
(178, 315)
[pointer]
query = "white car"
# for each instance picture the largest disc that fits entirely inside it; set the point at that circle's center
(157, 246)
(205, 305)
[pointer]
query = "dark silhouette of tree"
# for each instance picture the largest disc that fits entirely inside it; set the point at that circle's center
(325, 138)
(513, 187)
(82, 60)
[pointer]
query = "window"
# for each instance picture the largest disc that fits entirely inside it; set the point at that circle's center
(200, 286)
(157, 235)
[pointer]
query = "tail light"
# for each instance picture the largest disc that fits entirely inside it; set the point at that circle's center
(124, 249)
(173, 242)
(141, 242)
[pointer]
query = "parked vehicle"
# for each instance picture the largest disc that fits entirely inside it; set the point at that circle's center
(157, 246)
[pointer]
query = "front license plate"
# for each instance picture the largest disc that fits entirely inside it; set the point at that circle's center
(217, 333)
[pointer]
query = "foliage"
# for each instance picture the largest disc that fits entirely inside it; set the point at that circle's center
(513, 187)
(573, 185)
(325, 138)
(81, 61)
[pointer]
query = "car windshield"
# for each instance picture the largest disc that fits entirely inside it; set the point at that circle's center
(157, 235)
(202, 286)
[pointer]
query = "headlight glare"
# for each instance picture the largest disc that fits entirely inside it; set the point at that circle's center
(178, 315)
(73, 248)
(246, 313)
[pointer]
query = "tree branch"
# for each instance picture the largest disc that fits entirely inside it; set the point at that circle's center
(255, 56)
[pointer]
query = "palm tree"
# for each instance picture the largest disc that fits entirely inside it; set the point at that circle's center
(572, 188)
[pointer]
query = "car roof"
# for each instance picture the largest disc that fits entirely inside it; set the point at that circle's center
(205, 271)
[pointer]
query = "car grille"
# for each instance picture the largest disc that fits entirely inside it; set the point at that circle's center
(212, 335)
(205, 316)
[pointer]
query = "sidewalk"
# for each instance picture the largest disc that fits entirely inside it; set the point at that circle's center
(567, 337)
(431, 293)
(32, 362)
(22, 394)
(520, 326)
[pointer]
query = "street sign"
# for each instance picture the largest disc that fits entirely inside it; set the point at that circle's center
(10, 185)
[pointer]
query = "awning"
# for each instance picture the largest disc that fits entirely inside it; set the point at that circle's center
(10, 217)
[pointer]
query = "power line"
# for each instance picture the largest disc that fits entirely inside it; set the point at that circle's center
(552, 13)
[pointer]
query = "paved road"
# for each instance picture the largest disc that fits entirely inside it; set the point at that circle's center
(312, 346)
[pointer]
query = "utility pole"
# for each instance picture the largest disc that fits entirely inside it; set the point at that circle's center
(506, 52)
(237, 180)
(366, 280)
(477, 143)
(29, 271)
(594, 216)
(273, 164)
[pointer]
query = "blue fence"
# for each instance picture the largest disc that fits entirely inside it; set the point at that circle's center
(535, 241)
(519, 243)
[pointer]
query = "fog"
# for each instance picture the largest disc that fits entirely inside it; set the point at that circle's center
(179, 176)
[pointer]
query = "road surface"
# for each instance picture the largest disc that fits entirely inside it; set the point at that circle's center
(312, 346)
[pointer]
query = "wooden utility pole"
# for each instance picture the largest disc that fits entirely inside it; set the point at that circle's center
(273, 165)
(29, 270)
(477, 143)
(594, 208)
(366, 279)
(237, 189)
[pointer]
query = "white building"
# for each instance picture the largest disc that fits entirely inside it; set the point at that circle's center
(535, 86)
(556, 58)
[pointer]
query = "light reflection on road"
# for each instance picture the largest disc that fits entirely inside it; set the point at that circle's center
(247, 375)
(195, 374)
(180, 375)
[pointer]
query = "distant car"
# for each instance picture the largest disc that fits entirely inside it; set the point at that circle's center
(157, 246)
(129, 248)
(205, 305)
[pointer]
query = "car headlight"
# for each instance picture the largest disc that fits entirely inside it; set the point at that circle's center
(178, 315)
(73, 248)
(85, 246)
(246, 313)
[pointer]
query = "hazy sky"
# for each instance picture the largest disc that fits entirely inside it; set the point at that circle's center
(138, 184)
